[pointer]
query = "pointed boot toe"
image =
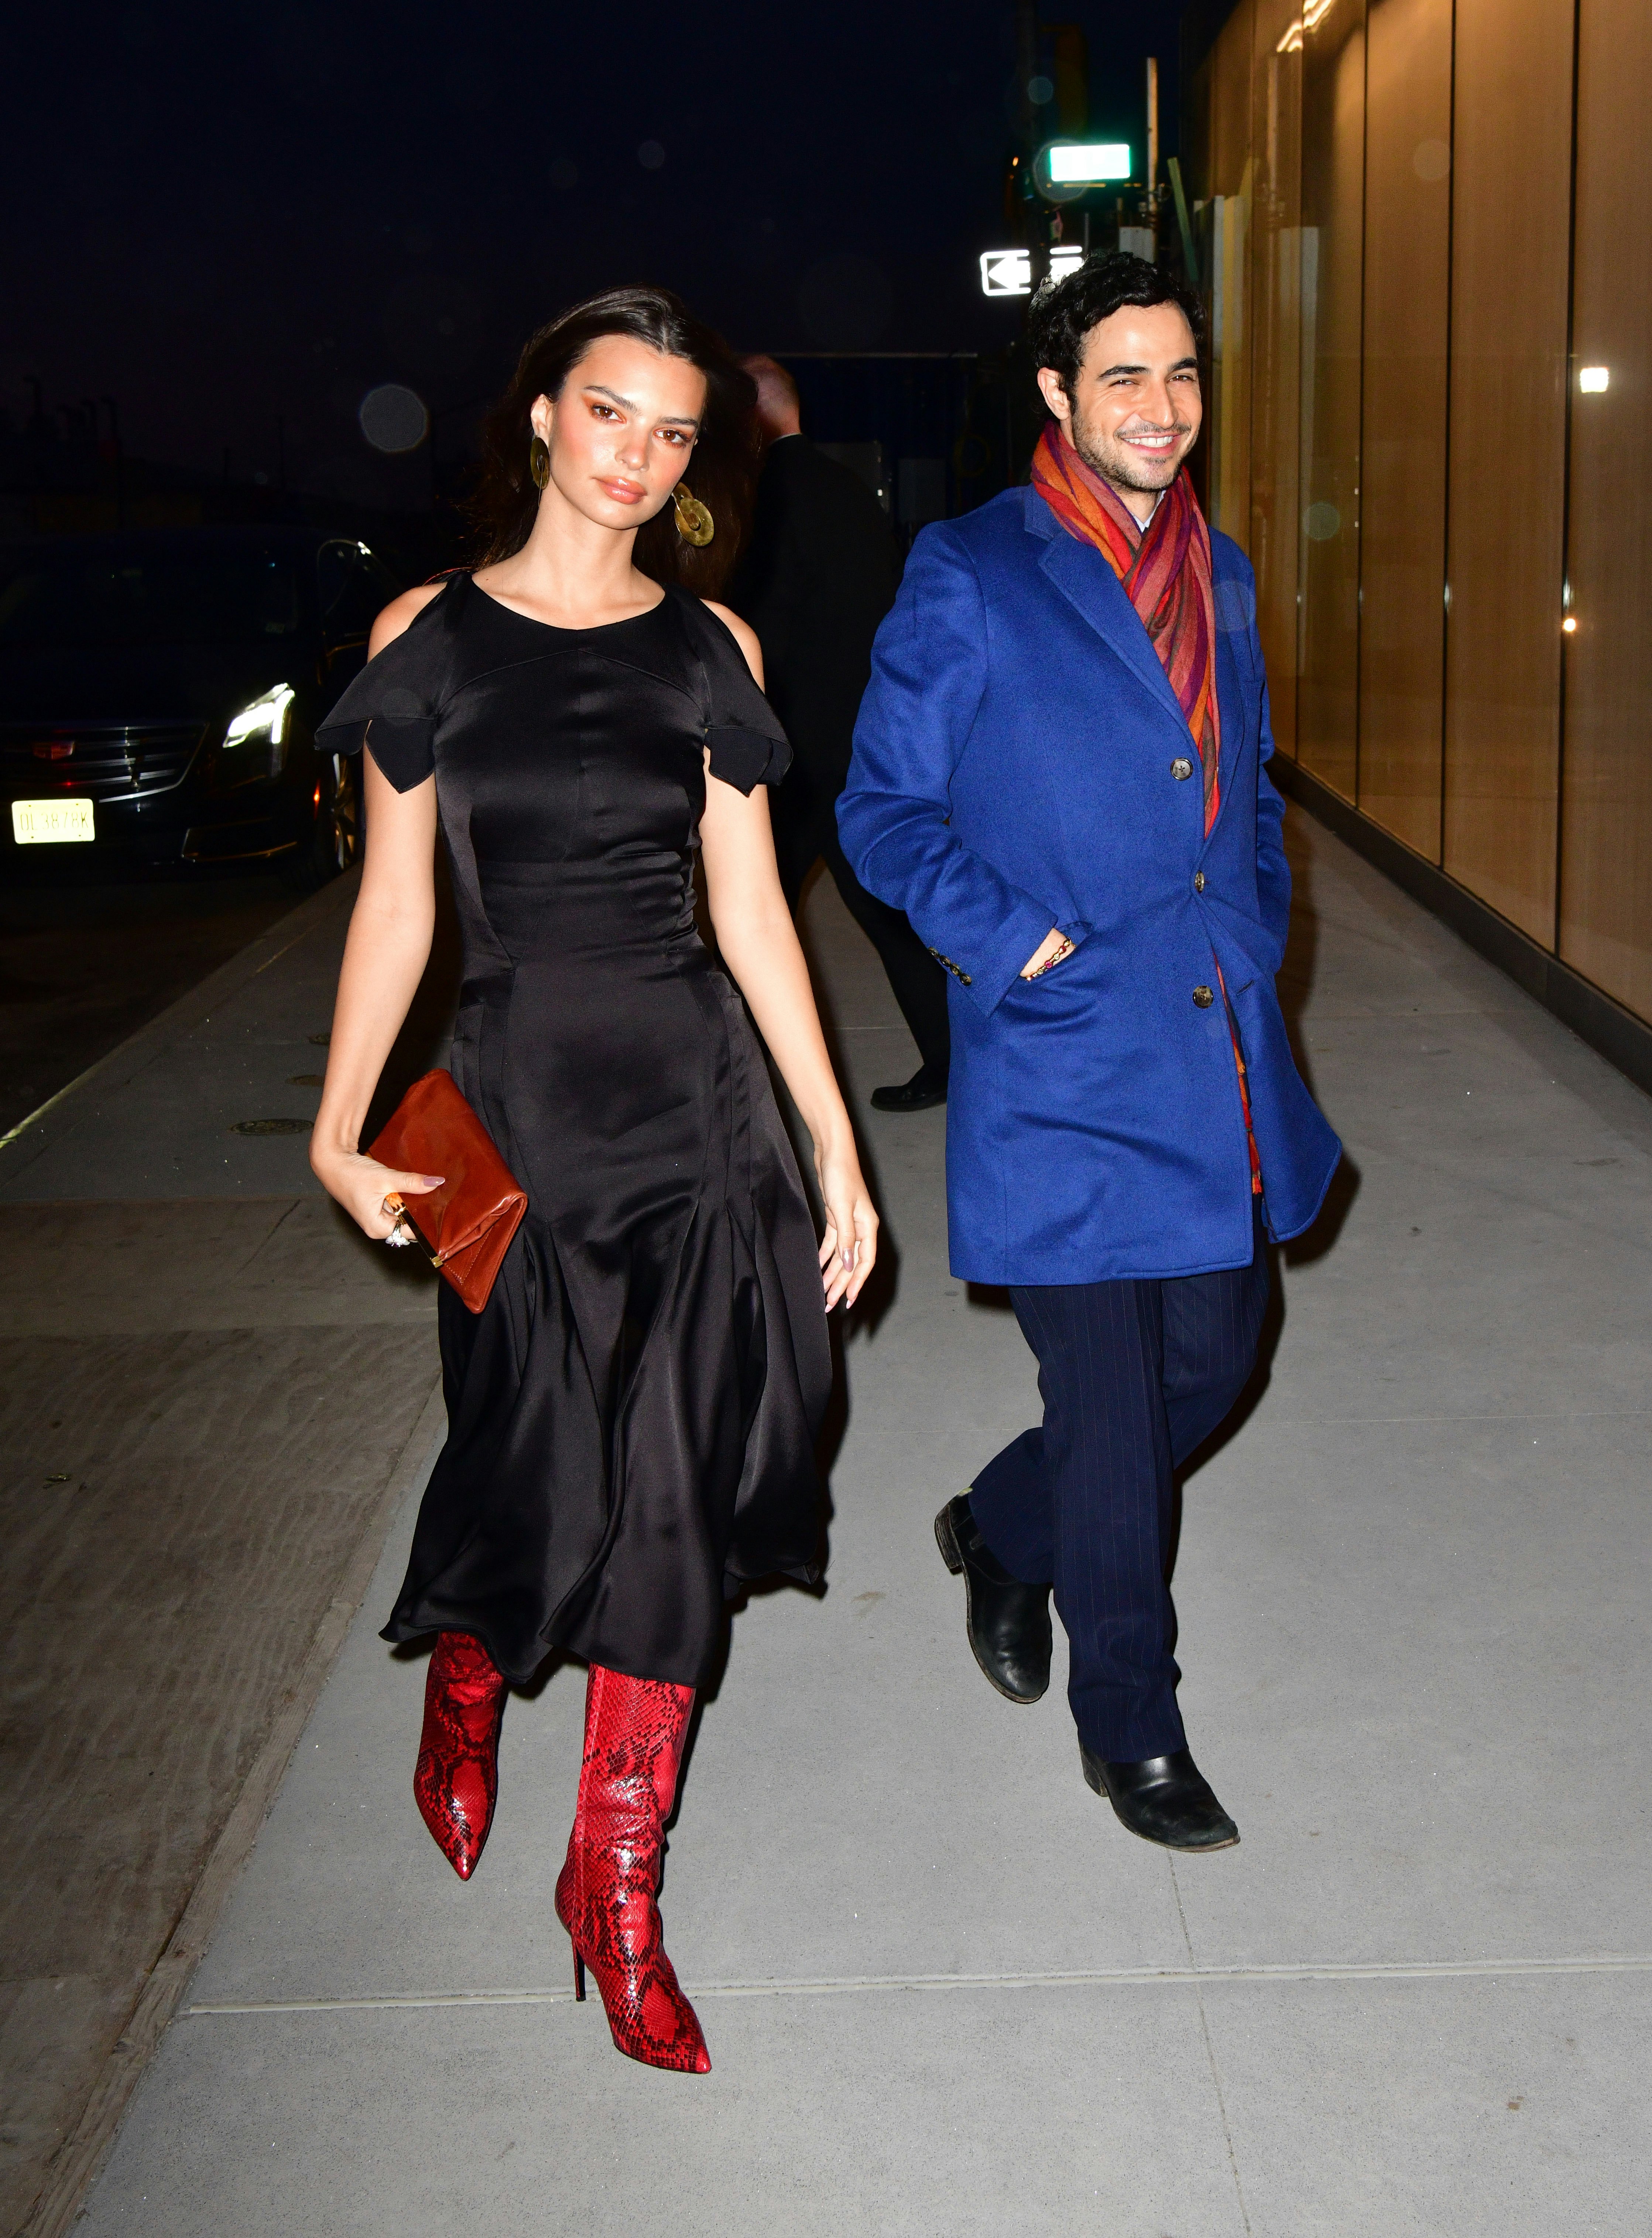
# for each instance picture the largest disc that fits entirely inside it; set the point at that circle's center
(455, 1804)
(456, 1779)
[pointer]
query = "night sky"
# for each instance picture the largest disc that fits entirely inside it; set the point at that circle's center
(229, 218)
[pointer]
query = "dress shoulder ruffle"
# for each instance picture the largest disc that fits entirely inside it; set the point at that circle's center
(393, 707)
(747, 742)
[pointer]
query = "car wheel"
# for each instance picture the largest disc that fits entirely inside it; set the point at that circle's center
(334, 844)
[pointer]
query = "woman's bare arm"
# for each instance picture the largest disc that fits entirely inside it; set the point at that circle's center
(759, 945)
(385, 955)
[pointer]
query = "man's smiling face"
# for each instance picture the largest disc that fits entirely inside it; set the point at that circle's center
(1136, 407)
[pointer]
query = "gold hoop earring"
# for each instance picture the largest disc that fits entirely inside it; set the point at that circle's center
(539, 461)
(694, 521)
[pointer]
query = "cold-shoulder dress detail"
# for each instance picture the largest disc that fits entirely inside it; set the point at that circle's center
(632, 1419)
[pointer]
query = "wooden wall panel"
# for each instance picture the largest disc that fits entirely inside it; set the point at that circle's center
(1227, 406)
(1276, 348)
(1333, 135)
(1230, 102)
(1512, 191)
(1606, 793)
(1403, 453)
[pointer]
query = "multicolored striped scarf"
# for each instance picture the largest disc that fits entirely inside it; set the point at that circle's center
(1165, 571)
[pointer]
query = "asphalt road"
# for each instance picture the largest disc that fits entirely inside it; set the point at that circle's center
(81, 966)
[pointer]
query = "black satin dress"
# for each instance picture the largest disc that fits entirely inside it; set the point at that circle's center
(631, 1418)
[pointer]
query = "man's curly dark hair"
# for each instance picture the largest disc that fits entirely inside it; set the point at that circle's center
(1063, 311)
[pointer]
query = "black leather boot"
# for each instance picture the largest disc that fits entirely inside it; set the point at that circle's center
(1168, 1800)
(1008, 1623)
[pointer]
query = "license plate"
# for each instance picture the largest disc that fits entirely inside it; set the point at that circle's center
(49, 822)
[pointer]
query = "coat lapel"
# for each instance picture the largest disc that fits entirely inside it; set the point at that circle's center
(1083, 577)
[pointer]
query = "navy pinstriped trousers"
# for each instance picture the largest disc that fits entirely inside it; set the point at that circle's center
(1133, 1375)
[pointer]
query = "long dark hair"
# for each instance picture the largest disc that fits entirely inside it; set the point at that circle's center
(721, 473)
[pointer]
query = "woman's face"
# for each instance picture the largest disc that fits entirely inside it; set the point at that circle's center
(622, 431)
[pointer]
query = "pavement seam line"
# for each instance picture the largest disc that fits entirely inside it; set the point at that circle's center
(80, 2157)
(848, 1985)
(1518, 1414)
(269, 1235)
(1209, 2048)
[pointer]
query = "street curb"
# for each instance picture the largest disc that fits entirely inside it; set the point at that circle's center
(80, 2158)
(128, 1058)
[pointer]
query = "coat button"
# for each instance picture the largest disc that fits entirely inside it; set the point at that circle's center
(1204, 997)
(1181, 767)
(1199, 882)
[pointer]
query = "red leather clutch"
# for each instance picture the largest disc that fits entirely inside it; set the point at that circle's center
(465, 1225)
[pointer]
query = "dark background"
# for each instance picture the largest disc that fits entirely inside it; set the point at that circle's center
(232, 224)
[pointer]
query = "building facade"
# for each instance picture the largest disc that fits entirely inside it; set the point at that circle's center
(1426, 240)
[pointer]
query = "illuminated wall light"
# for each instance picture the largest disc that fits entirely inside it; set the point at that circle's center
(1089, 164)
(1569, 624)
(1313, 16)
(1592, 379)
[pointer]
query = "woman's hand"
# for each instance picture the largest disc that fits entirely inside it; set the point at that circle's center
(848, 1249)
(361, 1184)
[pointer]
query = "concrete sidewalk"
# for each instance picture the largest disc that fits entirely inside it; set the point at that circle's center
(944, 1993)
(212, 1387)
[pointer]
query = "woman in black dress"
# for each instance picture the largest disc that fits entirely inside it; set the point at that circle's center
(632, 1417)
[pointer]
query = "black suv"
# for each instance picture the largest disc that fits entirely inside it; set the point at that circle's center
(160, 691)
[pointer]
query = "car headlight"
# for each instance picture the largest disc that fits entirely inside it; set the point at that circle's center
(262, 722)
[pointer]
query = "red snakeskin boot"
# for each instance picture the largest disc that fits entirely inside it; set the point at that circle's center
(605, 1892)
(458, 1774)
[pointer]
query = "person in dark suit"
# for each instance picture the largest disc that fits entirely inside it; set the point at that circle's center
(817, 578)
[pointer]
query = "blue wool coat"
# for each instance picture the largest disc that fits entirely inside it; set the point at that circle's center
(1020, 762)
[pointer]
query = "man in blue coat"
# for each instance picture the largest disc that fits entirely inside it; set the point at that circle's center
(1059, 774)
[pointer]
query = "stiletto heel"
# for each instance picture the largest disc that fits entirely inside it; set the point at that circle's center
(605, 1892)
(456, 1781)
(578, 1979)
